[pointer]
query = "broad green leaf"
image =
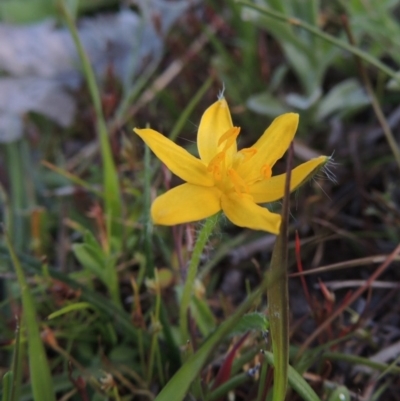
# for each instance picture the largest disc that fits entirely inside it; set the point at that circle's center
(346, 96)
(89, 257)
(251, 321)
(266, 104)
(303, 102)
(90, 239)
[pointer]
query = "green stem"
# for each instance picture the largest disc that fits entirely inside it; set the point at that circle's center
(329, 38)
(278, 296)
(192, 273)
(156, 326)
(17, 224)
(141, 351)
(148, 226)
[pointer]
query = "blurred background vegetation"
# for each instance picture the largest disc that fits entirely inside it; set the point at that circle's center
(89, 290)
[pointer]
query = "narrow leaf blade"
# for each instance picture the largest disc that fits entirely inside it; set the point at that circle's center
(42, 386)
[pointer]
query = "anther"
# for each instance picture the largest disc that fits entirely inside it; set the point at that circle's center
(230, 137)
(216, 165)
(247, 154)
(266, 171)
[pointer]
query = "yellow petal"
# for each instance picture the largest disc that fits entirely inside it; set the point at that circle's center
(274, 188)
(271, 146)
(214, 123)
(185, 203)
(176, 158)
(243, 212)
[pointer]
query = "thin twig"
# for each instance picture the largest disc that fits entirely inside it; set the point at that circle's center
(345, 265)
(351, 299)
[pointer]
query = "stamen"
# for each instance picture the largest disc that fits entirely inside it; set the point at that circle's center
(216, 165)
(230, 137)
(247, 154)
(266, 171)
(237, 181)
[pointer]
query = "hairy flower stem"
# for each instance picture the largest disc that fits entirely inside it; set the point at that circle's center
(201, 242)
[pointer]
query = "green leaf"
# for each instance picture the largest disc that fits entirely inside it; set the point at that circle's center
(42, 386)
(89, 257)
(394, 84)
(22, 11)
(179, 384)
(70, 308)
(251, 321)
(266, 104)
(230, 385)
(303, 102)
(296, 381)
(202, 315)
(346, 96)
(112, 193)
(302, 51)
(324, 58)
(105, 306)
(17, 366)
(8, 379)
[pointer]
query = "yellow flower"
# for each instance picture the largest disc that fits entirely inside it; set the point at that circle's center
(224, 178)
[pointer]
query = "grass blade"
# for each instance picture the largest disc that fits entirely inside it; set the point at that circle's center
(42, 386)
(8, 379)
(179, 384)
(118, 316)
(183, 118)
(296, 381)
(329, 38)
(16, 367)
(112, 195)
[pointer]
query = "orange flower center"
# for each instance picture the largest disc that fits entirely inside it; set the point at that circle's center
(225, 171)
